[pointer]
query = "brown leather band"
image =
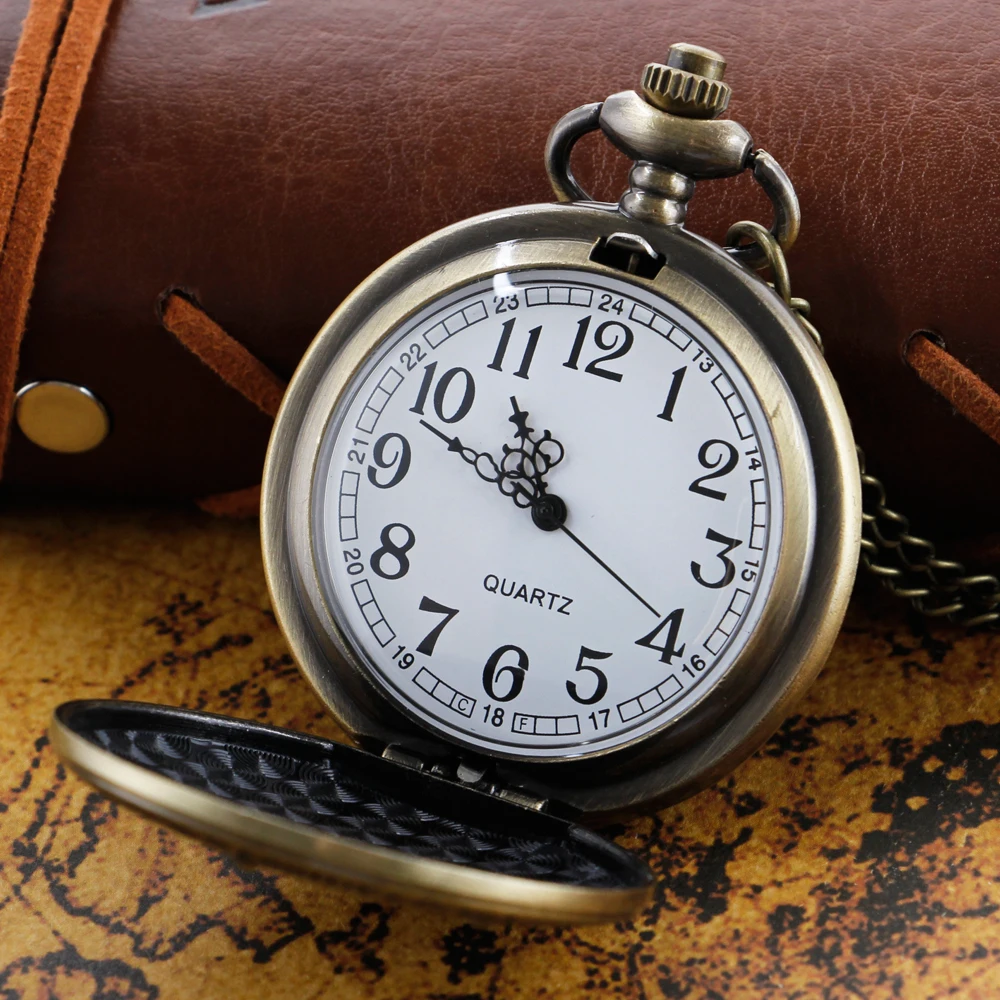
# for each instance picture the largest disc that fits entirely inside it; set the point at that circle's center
(968, 393)
(227, 357)
(22, 97)
(270, 155)
(238, 368)
(44, 92)
(237, 503)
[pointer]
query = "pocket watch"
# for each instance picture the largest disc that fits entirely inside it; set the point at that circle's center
(560, 514)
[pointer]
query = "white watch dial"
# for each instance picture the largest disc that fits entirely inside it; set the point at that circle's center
(547, 513)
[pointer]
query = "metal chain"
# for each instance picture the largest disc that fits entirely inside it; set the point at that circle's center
(906, 563)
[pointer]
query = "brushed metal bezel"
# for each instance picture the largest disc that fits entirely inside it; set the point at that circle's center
(817, 556)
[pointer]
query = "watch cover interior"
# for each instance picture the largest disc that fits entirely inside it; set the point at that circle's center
(341, 794)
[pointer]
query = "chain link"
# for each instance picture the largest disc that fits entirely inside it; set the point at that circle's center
(906, 563)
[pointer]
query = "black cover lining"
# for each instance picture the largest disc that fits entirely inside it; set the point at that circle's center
(353, 794)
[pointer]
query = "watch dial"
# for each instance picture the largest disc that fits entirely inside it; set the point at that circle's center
(547, 513)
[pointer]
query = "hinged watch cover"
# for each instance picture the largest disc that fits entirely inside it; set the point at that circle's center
(328, 808)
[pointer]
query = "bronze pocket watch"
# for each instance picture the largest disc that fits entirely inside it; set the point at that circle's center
(560, 514)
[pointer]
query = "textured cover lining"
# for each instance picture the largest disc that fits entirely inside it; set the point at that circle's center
(316, 793)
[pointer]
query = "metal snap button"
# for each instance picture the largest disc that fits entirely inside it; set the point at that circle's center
(61, 417)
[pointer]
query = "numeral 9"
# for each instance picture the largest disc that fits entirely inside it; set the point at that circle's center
(401, 460)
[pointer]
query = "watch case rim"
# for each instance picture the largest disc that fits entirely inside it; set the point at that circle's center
(536, 226)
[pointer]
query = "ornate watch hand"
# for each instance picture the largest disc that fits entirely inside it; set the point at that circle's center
(528, 463)
(488, 470)
(532, 459)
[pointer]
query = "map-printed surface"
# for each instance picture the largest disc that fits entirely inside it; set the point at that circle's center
(856, 855)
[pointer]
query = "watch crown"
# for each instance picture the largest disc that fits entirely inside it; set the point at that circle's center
(689, 84)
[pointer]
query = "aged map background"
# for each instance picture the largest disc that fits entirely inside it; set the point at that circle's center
(856, 855)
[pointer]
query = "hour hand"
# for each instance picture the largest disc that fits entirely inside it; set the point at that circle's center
(482, 461)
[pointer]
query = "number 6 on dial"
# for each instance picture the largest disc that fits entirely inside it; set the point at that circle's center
(490, 672)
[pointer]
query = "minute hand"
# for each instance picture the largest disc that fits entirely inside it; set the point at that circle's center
(600, 562)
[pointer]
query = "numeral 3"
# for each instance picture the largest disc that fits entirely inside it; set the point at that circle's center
(728, 571)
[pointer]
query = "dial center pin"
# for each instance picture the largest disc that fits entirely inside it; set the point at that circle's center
(549, 512)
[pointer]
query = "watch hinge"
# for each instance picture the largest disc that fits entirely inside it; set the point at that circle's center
(398, 755)
(476, 774)
(523, 799)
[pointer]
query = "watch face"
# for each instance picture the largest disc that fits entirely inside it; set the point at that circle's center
(546, 514)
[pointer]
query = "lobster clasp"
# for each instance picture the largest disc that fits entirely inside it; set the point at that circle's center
(670, 130)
